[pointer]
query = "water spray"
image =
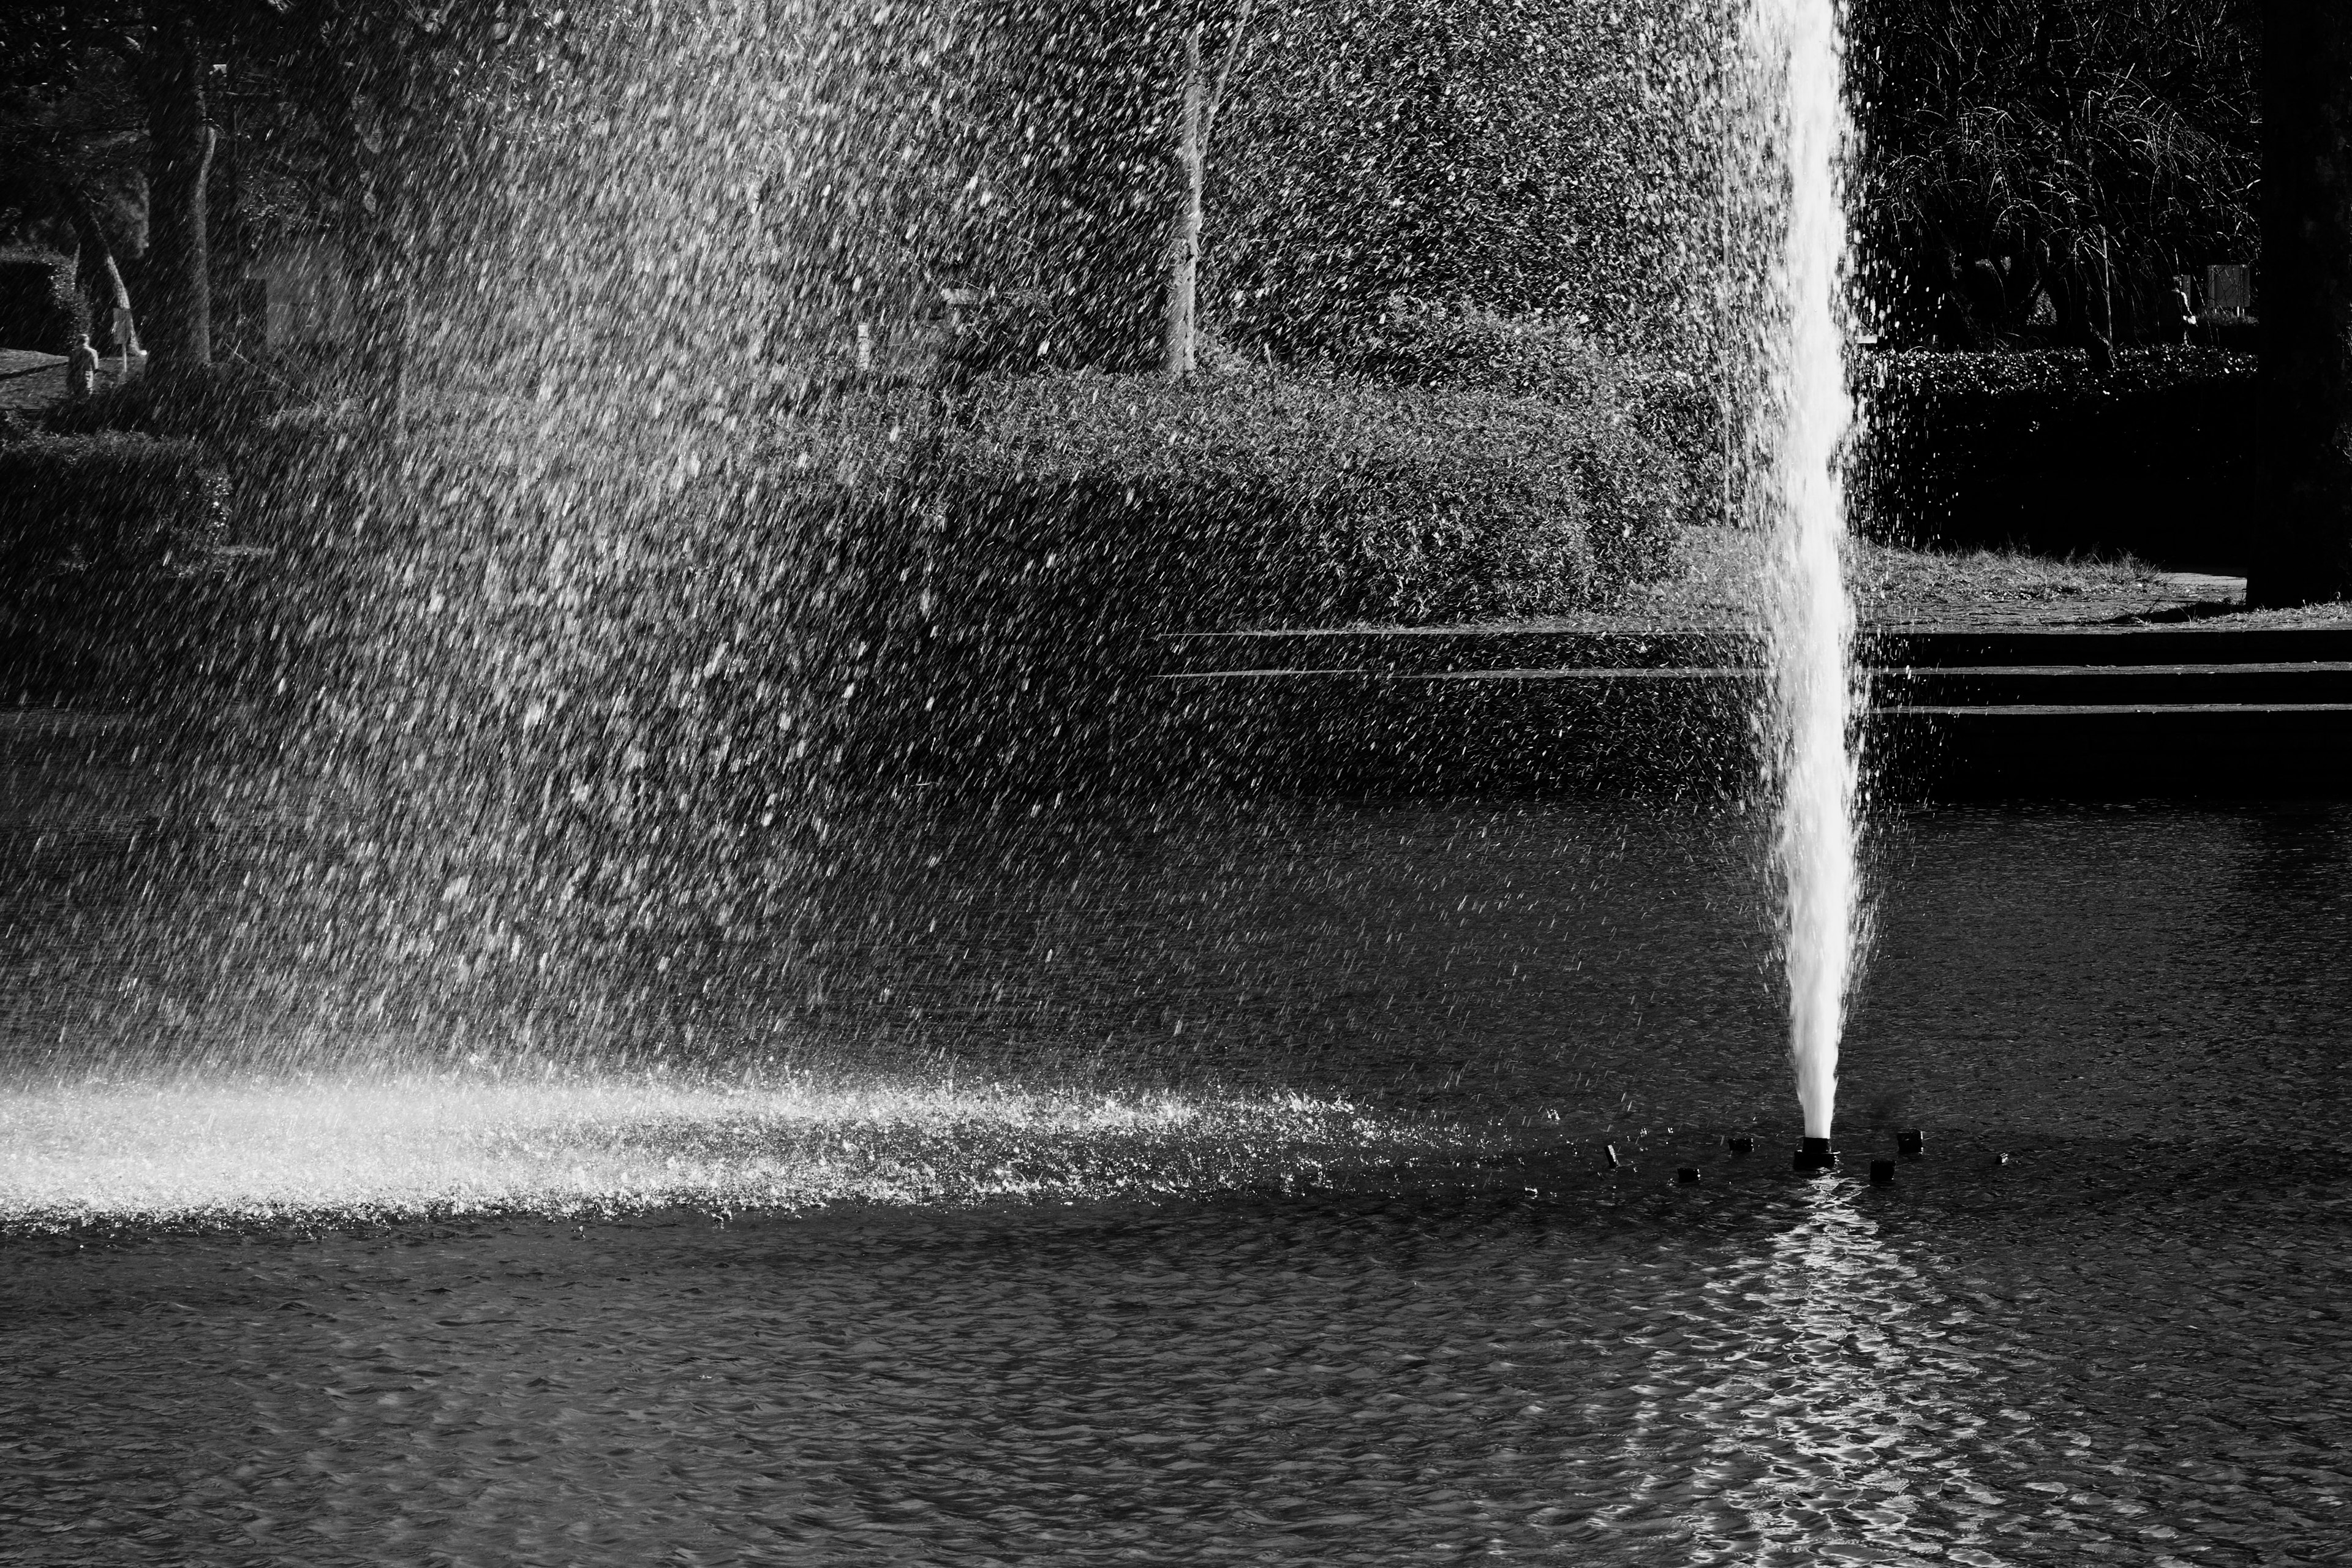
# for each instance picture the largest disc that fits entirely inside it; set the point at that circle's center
(1808, 630)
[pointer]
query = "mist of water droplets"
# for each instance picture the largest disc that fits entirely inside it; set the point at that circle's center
(1813, 699)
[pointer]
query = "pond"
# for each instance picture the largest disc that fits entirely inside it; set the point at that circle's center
(1223, 1183)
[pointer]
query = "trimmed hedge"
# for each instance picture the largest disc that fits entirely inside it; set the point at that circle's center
(214, 404)
(40, 307)
(1419, 344)
(1545, 358)
(1235, 500)
(267, 430)
(106, 500)
(2154, 456)
(996, 568)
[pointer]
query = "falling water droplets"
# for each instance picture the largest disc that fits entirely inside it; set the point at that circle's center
(1812, 710)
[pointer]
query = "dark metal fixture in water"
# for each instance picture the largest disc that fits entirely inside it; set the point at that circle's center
(1911, 1143)
(1740, 1144)
(1882, 1173)
(1687, 1174)
(1815, 1155)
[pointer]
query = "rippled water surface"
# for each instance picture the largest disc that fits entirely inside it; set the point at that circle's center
(1337, 1271)
(2003, 1364)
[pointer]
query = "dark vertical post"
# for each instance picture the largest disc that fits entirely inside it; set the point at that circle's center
(116, 329)
(2304, 485)
(1090, 80)
(384, 246)
(180, 138)
(228, 252)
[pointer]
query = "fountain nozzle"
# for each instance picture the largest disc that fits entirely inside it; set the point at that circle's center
(1815, 1155)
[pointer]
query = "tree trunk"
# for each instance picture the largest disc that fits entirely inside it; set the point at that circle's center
(2303, 488)
(1180, 354)
(181, 138)
(92, 235)
(230, 250)
(382, 256)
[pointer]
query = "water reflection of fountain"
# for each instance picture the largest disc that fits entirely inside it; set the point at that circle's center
(1839, 1417)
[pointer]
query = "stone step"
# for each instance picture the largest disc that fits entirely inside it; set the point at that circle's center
(2083, 686)
(1465, 650)
(2187, 646)
(1425, 722)
(1444, 650)
(1989, 687)
(2118, 749)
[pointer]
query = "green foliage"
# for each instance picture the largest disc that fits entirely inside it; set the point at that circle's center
(71, 118)
(992, 569)
(38, 307)
(1539, 155)
(1419, 344)
(1976, 389)
(111, 501)
(1247, 500)
(263, 429)
(2054, 133)
(1548, 358)
(215, 404)
(997, 565)
(2040, 451)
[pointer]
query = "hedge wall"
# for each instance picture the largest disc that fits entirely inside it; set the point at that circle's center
(106, 501)
(2154, 456)
(1545, 357)
(1003, 562)
(40, 307)
(1241, 499)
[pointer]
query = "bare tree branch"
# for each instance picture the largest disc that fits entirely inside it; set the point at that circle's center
(1234, 46)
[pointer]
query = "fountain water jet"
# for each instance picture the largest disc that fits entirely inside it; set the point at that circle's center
(1797, 53)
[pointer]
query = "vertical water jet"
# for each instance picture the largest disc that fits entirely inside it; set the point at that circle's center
(1797, 56)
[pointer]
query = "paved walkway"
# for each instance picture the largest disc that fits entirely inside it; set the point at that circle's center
(32, 382)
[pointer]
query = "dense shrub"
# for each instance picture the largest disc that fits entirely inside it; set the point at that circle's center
(106, 500)
(997, 566)
(213, 404)
(2020, 150)
(1550, 154)
(1415, 344)
(1547, 357)
(40, 307)
(2040, 450)
(1237, 500)
(270, 430)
